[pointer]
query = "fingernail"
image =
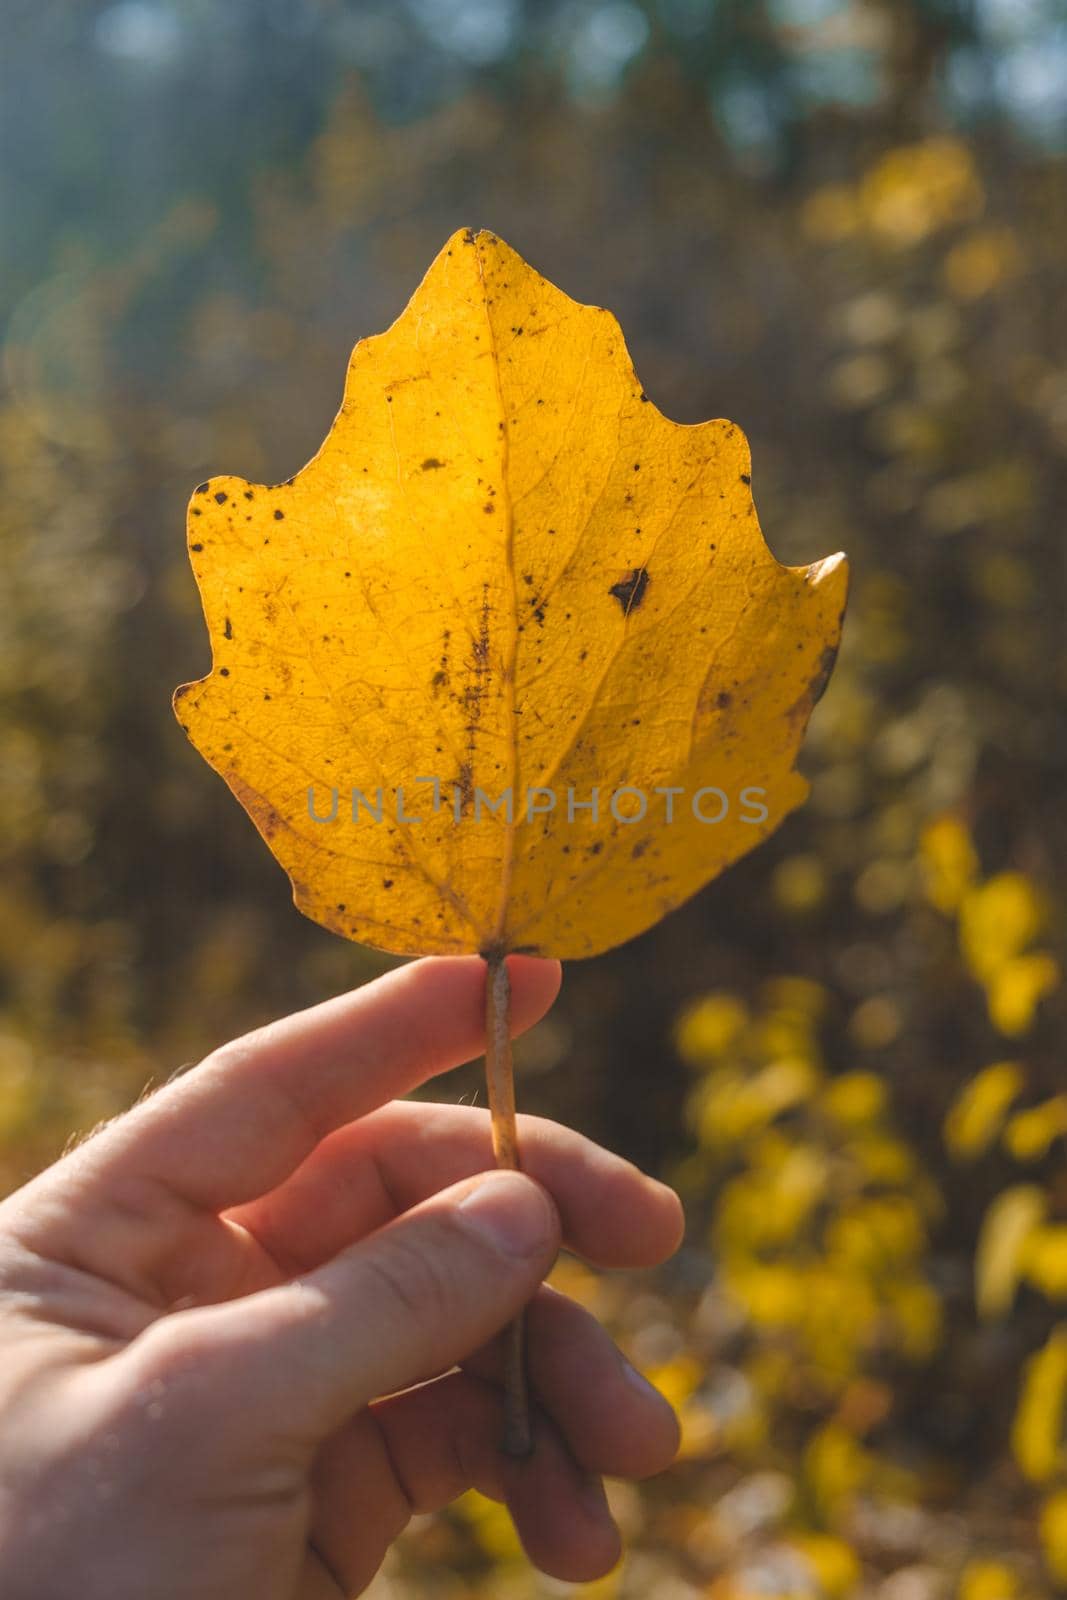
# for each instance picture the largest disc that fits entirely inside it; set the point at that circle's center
(509, 1213)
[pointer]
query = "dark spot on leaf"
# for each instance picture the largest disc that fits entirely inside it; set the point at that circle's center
(431, 464)
(227, 632)
(279, 516)
(387, 883)
(249, 495)
(489, 508)
(224, 672)
(201, 488)
(724, 699)
(195, 511)
(631, 591)
(196, 547)
(746, 477)
(221, 496)
(822, 676)
(644, 397)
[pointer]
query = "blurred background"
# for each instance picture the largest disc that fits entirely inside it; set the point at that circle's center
(840, 223)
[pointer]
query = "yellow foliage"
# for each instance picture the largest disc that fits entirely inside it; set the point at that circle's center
(998, 919)
(980, 262)
(1006, 1228)
(19, 1088)
(766, 1208)
(773, 1294)
(854, 1099)
(472, 607)
(709, 1027)
(833, 1563)
(882, 1159)
(836, 1466)
(1044, 1260)
(918, 189)
(1037, 1429)
(875, 1235)
(917, 1312)
(948, 862)
(782, 1032)
(987, 1580)
(1016, 989)
(797, 995)
(731, 1107)
(910, 193)
(677, 1379)
(978, 1111)
(1030, 1133)
(800, 883)
(1052, 1527)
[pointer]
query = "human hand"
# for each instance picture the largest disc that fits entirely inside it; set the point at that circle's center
(202, 1306)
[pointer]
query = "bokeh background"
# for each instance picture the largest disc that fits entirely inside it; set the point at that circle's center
(841, 223)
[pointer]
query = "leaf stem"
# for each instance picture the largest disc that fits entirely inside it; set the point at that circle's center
(517, 1439)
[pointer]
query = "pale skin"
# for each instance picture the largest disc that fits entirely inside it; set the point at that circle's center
(202, 1306)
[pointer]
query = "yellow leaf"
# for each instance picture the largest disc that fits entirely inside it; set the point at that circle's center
(998, 919)
(987, 1580)
(978, 1111)
(1052, 1527)
(1044, 1260)
(1016, 989)
(855, 1098)
(948, 860)
(1037, 1429)
(1029, 1133)
(1007, 1225)
(506, 580)
(836, 1466)
(834, 1563)
(709, 1027)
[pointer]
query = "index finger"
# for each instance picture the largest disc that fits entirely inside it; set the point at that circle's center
(242, 1121)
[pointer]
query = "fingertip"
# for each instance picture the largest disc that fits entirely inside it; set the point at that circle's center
(659, 1439)
(535, 984)
(671, 1219)
(562, 1517)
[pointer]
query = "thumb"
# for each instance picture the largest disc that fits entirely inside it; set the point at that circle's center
(407, 1302)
